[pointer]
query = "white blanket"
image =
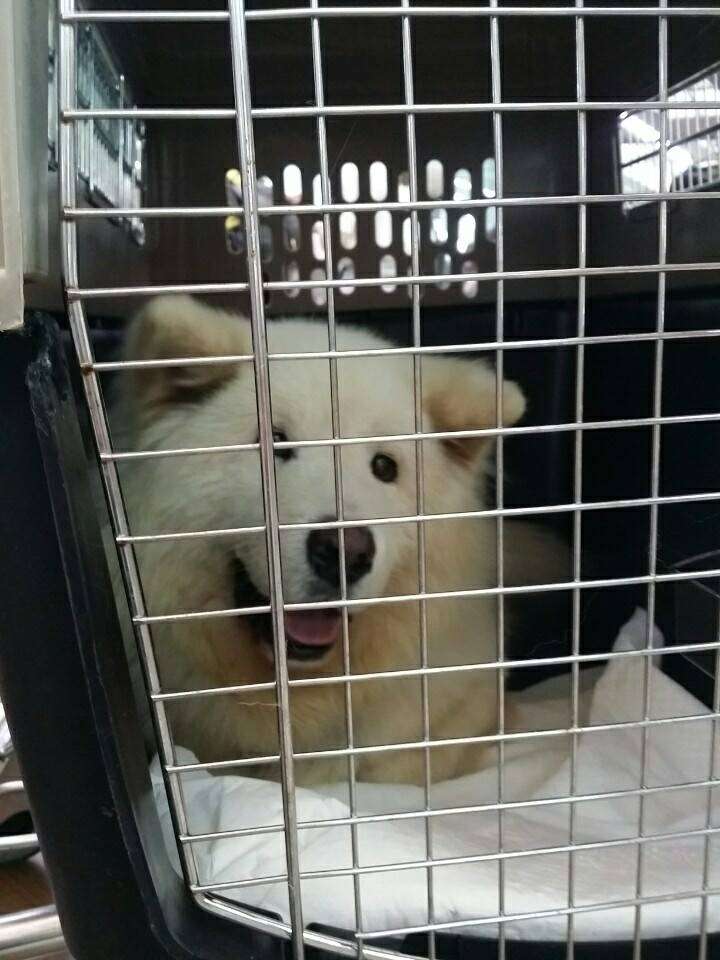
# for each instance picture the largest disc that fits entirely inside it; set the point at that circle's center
(536, 768)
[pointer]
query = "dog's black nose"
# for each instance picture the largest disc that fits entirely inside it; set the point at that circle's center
(324, 554)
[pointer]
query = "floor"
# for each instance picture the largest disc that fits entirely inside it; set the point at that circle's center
(24, 886)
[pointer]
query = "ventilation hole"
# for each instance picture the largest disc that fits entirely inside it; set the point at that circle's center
(442, 266)
(265, 193)
(350, 182)
(291, 232)
(388, 268)
(407, 237)
(490, 224)
(404, 187)
(462, 184)
(438, 227)
(291, 273)
(465, 234)
(348, 230)
(383, 229)
(292, 183)
(434, 179)
(266, 243)
(318, 294)
(317, 190)
(346, 271)
(318, 240)
(470, 287)
(378, 181)
(488, 177)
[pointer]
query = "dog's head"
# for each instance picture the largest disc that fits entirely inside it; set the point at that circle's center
(205, 404)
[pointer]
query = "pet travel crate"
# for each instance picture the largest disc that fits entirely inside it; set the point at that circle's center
(533, 182)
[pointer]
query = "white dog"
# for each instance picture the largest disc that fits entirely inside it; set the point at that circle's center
(214, 404)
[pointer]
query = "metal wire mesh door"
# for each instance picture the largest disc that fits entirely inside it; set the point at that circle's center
(659, 186)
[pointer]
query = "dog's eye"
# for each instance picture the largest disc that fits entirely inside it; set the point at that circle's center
(384, 467)
(279, 436)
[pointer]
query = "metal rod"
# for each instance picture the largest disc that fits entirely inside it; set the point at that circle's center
(498, 857)
(430, 435)
(654, 462)
(560, 660)
(440, 350)
(246, 151)
(392, 11)
(441, 595)
(536, 914)
(439, 812)
(382, 109)
(94, 293)
(528, 735)
(580, 92)
(394, 206)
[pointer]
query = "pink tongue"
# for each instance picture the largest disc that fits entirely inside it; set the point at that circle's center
(314, 629)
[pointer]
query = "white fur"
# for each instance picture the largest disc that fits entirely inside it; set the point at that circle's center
(212, 405)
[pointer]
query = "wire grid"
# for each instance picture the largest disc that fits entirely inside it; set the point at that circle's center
(246, 117)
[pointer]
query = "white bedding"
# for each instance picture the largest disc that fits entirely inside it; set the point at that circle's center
(537, 768)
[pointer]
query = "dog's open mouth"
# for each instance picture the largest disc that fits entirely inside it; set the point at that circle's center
(309, 634)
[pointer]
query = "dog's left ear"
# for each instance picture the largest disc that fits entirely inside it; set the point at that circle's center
(461, 395)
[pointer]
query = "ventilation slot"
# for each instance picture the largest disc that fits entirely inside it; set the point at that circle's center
(465, 234)
(378, 181)
(434, 179)
(291, 273)
(442, 267)
(348, 230)
(350, 182)
(470, 287)
(383, 229)
(317, 238)
(292, 183)
(318, 294)
(388, 268)
(439, 227)
(462, 185)
(291, 232)
(346, 271)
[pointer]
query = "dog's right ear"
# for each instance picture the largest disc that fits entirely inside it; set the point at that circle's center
(172, 327)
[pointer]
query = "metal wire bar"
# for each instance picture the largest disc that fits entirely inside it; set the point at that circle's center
(497, 136)
(534, 915)
(394, 206)
(430, 435)
(389, 10)
(577, 456)
(440, 350)
(437, 595)
(69, 254)
(411, 141)
(326, 197)
(560, 660)
(493, 738)
(655, 460)
(94, 293)
(464, 515)
(497, 857)
(447, 811)
(380, 109)
(246, 151)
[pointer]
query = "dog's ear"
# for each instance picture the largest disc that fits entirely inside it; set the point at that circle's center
(461, 395)
(173, 327)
